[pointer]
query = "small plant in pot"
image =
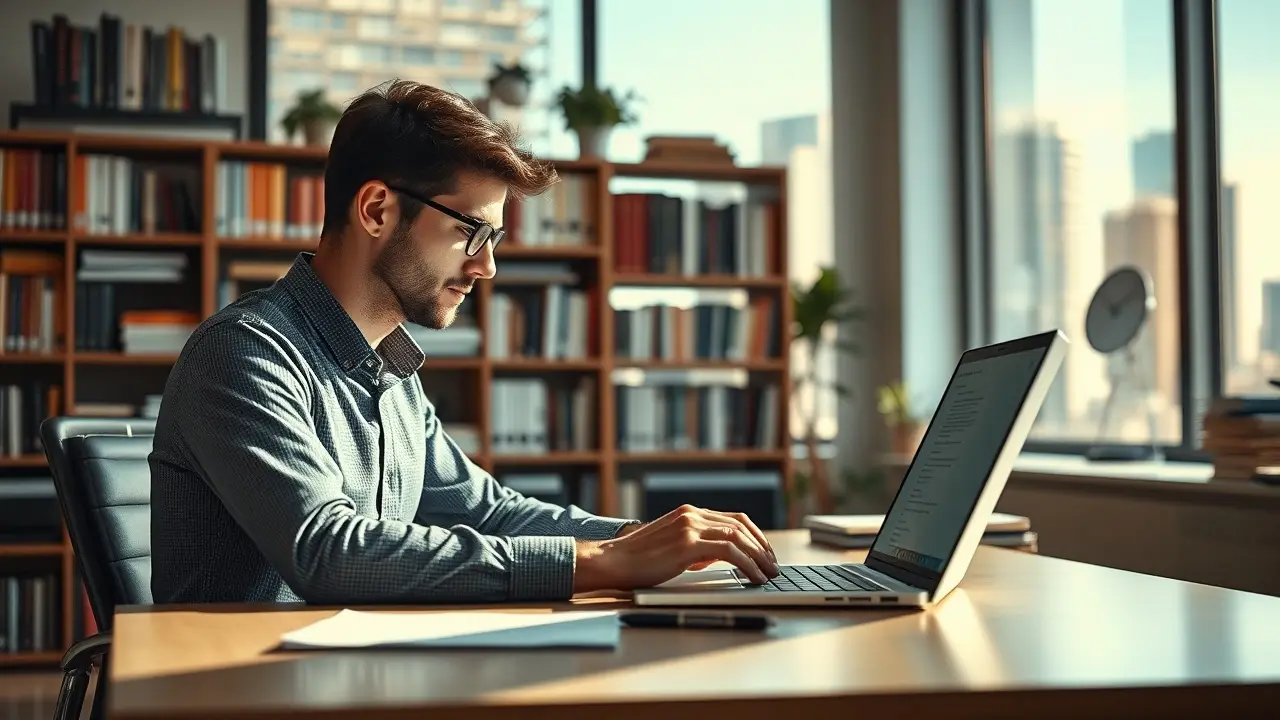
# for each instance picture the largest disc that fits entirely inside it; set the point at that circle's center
(905, 425)
(510, 85)
(592, 113)
(314, 115)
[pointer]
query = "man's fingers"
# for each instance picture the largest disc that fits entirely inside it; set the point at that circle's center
(750, 527)
(731, 553)
(746, 543)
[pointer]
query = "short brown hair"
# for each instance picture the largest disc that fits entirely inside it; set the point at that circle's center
(421, 136)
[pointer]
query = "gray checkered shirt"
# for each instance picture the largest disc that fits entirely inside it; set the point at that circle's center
(292, 461)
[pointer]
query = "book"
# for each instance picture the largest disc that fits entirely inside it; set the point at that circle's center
(870, 524)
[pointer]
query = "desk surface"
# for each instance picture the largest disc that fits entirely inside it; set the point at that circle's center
(1021, 628)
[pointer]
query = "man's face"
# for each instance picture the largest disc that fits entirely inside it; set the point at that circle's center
(425, 263)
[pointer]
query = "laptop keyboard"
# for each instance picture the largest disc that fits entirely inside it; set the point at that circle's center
(817, 578)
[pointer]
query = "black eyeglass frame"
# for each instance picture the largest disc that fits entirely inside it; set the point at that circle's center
(493, 236)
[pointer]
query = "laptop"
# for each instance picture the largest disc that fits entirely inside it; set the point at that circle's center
(938, 517)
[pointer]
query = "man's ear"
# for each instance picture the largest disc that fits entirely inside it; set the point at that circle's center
(377, 210)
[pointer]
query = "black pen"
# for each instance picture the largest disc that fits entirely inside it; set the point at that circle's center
(703, 619)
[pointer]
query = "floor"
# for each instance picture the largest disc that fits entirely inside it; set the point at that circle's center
(30, 695)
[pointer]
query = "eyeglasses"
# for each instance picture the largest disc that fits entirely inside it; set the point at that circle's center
(481, 231)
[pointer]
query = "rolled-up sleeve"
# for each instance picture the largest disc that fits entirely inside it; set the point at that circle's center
(245, 419)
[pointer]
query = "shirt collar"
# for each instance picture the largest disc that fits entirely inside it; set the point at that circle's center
(397, 352)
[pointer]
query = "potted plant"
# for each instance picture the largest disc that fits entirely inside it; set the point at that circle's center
(906, 427)
(815, 309)
(592, 113)
(510, 84)
(314, 115)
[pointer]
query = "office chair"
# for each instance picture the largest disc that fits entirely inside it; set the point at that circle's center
(100, 471)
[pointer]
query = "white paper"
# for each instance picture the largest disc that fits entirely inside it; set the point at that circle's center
(349, 629)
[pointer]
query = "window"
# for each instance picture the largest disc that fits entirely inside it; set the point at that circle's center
(309, 20)
(495, 58)
(502, 34)
(452, 32)
(375, 26)
(1082, 183)
(770, 105)
(419, 55)
(407, 34)
(1249, 249)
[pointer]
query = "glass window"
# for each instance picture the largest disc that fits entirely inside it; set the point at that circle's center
(416, 55)
(502, 34)
(550, 45)
(304, 19)
(1249, 257)
(495, 58)
(375, 26)
(1082, 184)
(452, 32)
(375, 54)
(346, 82)
(781, 116)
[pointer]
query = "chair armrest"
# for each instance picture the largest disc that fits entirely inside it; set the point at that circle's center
(81, 655)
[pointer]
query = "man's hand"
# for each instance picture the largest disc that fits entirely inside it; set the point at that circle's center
(684, 538)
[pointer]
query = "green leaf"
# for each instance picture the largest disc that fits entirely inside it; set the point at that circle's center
(842, 390)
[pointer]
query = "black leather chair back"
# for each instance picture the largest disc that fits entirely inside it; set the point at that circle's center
(103, 481)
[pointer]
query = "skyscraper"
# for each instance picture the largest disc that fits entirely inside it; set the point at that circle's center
(778, 137)
(1153, 175)
(1030, 234)
(1145, 235)
(1270, 344)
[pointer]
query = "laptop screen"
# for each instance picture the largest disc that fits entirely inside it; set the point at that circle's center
(956, 455)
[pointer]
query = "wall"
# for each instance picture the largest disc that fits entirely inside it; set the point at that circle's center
(225, 19)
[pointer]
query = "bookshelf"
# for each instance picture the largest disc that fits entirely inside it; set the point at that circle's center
(257, 203)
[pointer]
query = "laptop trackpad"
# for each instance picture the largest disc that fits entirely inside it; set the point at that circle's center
(702, 580)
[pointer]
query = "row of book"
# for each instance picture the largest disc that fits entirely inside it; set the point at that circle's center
(29, 613)
(676, 417)
(553, 322)
(267, 200)
(117, 195)
(532, 415)
(23, 406)
(562, 215)
(103, 325)
(659, 233)
(118, 65)
(31, 315)
(33, 188)
(707, 331)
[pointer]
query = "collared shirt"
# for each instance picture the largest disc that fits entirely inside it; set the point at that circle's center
(293, 461)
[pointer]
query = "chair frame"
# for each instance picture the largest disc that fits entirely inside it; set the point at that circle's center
(78, 661)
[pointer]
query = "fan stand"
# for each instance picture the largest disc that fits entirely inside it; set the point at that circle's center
(1102, 451)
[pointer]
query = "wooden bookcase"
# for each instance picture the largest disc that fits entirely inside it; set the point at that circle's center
(594, 259)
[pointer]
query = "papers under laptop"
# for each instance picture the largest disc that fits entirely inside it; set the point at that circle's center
(354, 629)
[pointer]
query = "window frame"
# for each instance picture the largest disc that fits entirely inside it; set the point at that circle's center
(1196, 148)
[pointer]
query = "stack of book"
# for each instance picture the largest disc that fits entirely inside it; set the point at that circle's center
(687, 149)
(1242, 435)
(859, 531)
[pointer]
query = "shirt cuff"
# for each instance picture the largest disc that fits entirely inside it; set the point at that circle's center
(603, 528)
(542, 567)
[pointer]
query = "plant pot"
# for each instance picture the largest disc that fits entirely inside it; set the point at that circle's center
(593, 142)
(904, 438)
(510, 90)
(318, 133)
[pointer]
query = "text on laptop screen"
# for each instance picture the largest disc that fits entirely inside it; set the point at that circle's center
(964, 438)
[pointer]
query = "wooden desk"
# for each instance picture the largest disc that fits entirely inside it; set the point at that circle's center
(1024, 635)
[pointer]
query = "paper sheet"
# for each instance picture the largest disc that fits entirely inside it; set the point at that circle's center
(350, 629)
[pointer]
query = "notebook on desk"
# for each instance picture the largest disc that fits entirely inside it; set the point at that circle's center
(855, 532)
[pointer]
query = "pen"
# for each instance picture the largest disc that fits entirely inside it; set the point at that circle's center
(724, 621)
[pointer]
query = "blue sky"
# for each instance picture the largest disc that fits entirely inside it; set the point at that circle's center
(720, 66)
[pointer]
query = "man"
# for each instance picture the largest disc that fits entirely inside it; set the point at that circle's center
(296, 457)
